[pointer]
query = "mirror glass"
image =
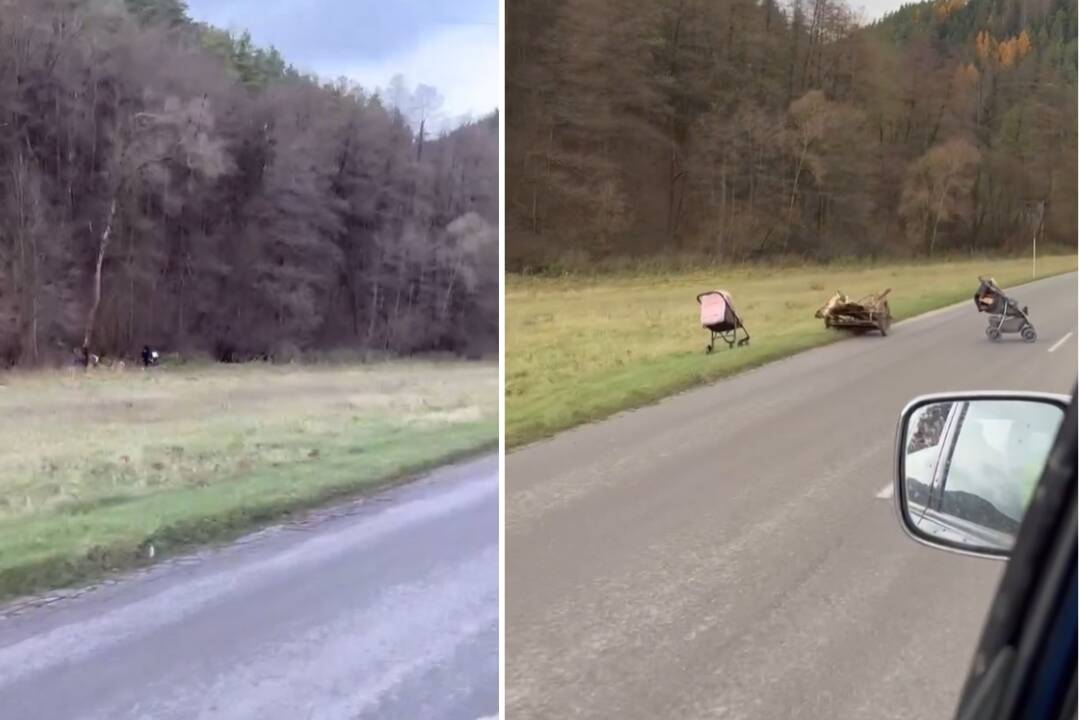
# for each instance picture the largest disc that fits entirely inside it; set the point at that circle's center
(971, 466)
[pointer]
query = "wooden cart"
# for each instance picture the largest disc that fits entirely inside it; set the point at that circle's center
(859, 316)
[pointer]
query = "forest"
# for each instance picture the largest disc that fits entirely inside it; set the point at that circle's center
(167, 183)
(748, 130)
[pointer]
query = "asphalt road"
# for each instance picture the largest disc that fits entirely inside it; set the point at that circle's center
(385, 608)
(732, 552)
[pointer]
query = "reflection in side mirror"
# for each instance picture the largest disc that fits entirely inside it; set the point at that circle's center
(968, 465)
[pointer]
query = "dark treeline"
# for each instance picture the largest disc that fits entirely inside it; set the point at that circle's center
(746, 129)
(166, 183)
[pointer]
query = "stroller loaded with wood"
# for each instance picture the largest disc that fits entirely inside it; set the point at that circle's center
(718, 316)
(1006, 315)
(859, 316)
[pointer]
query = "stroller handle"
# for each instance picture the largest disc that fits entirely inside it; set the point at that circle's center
(710, 292)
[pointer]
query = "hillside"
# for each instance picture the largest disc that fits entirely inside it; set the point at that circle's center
(752, 129)
(1048, 26)
(163, 182)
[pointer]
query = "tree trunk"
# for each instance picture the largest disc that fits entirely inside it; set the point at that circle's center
(354, 301)
(18, 175)
(798, 172)
(131, 292)
(103, 245)
(937, 216)
(450, 290)
(681, 190)
(937, 127)
(181, 300)
(34, 283)
(372, 314)
(813, 42)
(675, 174)
(723, 209)
(753, 176)
(420, 143)
(391, 335)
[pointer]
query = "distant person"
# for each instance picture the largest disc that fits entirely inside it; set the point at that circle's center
(85, 358)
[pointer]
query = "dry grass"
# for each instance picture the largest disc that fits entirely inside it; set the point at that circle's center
(581, 348)
(103, 463)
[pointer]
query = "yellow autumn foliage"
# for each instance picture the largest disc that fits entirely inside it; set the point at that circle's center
(1023, 45)
(944, 8)
(984, 45)
(1005, 53)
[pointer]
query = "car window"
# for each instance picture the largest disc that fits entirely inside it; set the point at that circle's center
(999, 453)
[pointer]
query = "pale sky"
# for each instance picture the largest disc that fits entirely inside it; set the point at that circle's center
(451, 45)
(874, 9)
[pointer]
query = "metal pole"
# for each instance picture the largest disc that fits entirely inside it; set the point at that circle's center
(1035, 236)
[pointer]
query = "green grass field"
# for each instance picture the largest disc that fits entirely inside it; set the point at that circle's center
(581, 348)
(98, 467)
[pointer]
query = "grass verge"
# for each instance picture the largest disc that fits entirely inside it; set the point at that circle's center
(107, 464)
(582, 348)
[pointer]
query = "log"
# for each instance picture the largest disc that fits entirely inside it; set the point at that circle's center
(842, 308)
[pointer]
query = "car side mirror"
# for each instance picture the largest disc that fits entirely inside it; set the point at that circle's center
(967, 465)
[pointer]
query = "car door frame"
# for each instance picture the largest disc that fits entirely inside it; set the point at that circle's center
(1020, 668)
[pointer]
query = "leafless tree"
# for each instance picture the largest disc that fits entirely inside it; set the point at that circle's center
(168, 183)
(748, 128)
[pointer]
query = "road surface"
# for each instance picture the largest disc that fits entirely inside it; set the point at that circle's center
(732, 552)
(385, 608)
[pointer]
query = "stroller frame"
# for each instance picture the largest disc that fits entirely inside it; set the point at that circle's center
(728, 332)
(1006, 315)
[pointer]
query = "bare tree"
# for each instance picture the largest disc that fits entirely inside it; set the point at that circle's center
(937, 188)
(162, 181)
(426, 105)
(751, 127)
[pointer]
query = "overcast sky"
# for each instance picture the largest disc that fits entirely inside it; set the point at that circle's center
(450, 44)
(874, 9)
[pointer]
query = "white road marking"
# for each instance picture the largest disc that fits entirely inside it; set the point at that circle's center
(1060, 342)
(886, 492)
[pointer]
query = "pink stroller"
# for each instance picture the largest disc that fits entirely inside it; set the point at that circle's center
(718, 316)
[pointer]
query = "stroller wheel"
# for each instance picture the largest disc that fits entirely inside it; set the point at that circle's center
(993, 333)
(1028, 333)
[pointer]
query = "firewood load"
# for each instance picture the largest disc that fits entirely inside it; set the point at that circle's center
(868, 313)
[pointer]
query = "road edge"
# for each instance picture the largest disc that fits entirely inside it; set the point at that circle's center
(88, 572)
(693, 384)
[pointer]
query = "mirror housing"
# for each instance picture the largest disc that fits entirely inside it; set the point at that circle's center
(977, 440)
